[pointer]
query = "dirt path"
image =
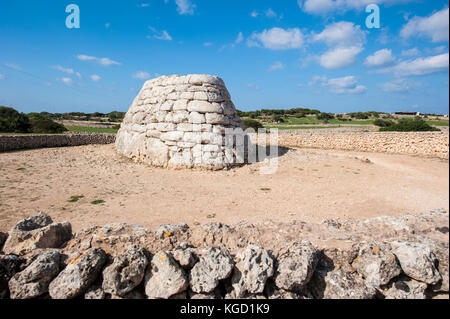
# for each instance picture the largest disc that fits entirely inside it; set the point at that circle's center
(310, 185)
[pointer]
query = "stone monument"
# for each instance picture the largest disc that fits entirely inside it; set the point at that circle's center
(181, 122)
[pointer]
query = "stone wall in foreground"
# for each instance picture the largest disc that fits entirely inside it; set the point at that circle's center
(397, 258)
(433, 144)
(20, 142)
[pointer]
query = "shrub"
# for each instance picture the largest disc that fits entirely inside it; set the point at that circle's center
(42, 124)
(12, 121)
(383, 123)
(410, 125)
(325, 116)
(278, 119)
(359, 115)
(249, 123)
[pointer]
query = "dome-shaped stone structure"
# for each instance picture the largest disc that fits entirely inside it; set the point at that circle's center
(180, 122)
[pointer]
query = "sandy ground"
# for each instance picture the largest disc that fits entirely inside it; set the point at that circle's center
(310, 185)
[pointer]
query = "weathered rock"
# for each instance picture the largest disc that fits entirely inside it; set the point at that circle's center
(79, 274)
(158, 128)
(377, 264)
(126, 272)
(34, 280)
(135, 294)
(338, 284)
(114, 238)
(417, 261)
(169, 230)
(296, 265)
(253, 267)
(185, 256)
(95, 293)
(441, 251)
(164, 277)
(272, 292)
(36, 232)
(405, 288)
(214, 264)
(9, 266)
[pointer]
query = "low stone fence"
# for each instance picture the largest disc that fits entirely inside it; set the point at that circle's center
(19, 142)
(397, 258)
(433, 144)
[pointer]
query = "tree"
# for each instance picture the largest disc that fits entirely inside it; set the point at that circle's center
(12, 121)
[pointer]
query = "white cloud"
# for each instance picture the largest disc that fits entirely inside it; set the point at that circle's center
(107, 25)
(345, 40)
(411, 52)
(66, 70)
(67, 81)
(239, 38)
(341, 6)
(163, 35)
(2, 77)
(339, 57)
(185, 7)
(397, 85)
(272, 14)
(207, 44)
(277, 39)
(420, 66)
(95, 77)
(102, 61)
(277, 66)
(435, 26)
(254, 14)
(141, 75)
(380, 58)
(144, 5)
(13, 66)
(343, 85)
(253, 86)
(341, 34)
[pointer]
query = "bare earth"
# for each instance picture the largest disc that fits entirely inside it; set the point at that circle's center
(310, 185)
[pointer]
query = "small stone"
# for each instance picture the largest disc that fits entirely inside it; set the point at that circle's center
(377, 264)
(185, 257)
(417, 261)
(296, 265)
(126, 272)
(214, 264)
(36, 232)
(9, 266)
(165, 277)
(34, 280)
(253, 267)
(95, 293)
(79, 274)
(406, 288)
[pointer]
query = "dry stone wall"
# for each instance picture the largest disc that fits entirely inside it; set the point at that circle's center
(432, 144)
(180, 122)
(20, 142)
(403, 257)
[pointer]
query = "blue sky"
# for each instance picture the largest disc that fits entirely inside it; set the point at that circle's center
(271, 54)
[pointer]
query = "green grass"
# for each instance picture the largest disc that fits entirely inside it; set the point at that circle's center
(312, 120)
(300, 127)
(437, 123)
(97, 202)
(79, 129)
(74, 199)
